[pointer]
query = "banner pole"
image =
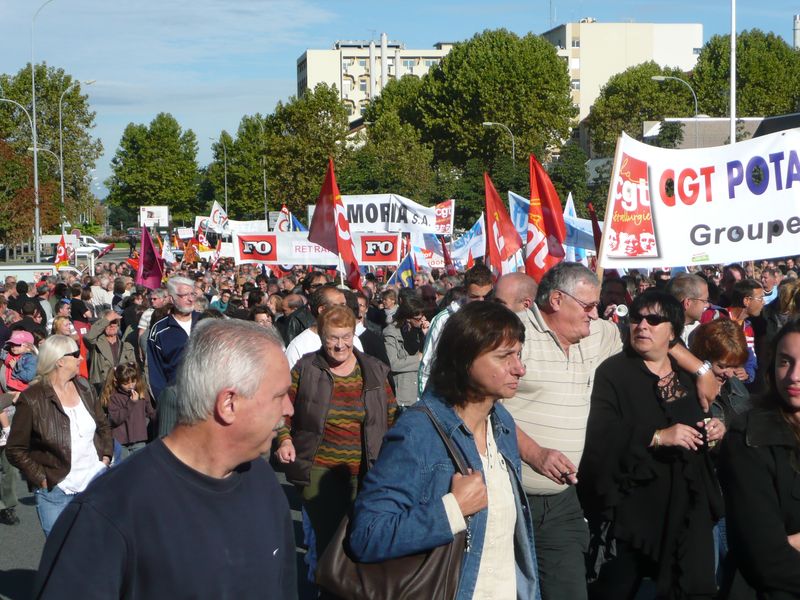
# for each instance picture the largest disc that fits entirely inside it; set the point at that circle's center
(341, 270)
(599, 270)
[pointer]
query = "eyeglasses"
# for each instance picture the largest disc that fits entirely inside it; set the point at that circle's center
(331, 339)
(652, 320)
(756, 298)
(187, 295)
(703, 300)
(76, 354)
(586, 306)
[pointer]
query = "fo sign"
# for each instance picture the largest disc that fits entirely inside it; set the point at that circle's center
(380, 249)
(258, 247)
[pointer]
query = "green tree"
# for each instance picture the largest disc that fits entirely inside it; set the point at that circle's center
(80, 149)
(495, 76)
(301, 135)
(392, 160)
(399, 97)
(632, 97)
(767, 75)
(670, 134)
(156, 165)
(569, 174)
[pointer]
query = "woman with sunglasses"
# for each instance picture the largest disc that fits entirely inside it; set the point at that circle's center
(60, 439)
(647, 485)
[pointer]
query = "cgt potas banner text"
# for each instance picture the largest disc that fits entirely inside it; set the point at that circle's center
(669, 208)
(293, 248)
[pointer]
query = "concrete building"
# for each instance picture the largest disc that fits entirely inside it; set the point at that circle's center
(595, 51)
(360, 69)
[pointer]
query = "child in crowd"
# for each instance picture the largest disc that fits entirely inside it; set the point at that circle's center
(129, 408)
(19, 360)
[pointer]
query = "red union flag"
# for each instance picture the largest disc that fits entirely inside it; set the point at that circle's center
(631, 233)
(546, 230)
(62, 256)
(330, 229)
(502, 239)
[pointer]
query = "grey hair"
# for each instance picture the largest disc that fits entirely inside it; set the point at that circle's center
(220, 354)
(564, 276)
(685, 285)
(174, 282)
(51, 351)
(159, 292)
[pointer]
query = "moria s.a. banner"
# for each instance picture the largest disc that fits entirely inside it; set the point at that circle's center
(725, 204)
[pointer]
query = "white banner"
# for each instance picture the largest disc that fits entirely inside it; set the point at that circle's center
(700, 206)
(293, 248)
(200, 224)
(390, 212)
(154, 216)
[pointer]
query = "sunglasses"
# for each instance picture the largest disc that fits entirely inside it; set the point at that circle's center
(652, 320)
(76, 354)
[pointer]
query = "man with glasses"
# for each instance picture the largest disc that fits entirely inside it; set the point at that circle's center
(692, 292)
(156, 299)
(747, 302)
(168, 337)
(565, 341)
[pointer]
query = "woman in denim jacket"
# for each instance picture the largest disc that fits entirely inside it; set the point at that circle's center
(412, 500)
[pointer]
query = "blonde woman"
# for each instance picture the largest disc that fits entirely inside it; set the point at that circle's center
(60, 439)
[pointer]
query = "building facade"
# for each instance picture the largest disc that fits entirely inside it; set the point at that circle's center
(360, 69)
(596, 51)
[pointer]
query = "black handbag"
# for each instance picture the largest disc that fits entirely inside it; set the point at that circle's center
(433, 574)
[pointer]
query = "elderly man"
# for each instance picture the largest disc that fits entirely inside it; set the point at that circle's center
(167, 338)
(517, 291)
(564, 343)
(197, 514)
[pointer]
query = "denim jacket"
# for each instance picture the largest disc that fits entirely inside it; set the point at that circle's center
(399, 510)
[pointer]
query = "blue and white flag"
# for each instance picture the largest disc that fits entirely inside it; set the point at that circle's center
(473, 240)
(573, 253)
(519, 208)
(404, 275)
(297, 225)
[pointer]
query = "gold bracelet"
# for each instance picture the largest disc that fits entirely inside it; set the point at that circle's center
(657, 439)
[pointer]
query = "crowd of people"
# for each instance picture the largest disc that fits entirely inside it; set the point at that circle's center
(625, 434)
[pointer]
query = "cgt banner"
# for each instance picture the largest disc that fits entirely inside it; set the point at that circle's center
(390, 212)
(293, 248)
(727, 204)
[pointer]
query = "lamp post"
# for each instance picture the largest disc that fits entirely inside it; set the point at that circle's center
(61, 145)
(513, 144)
(733, 72)
(263, 169)
(225, 169)
(35, 178)
(694, 96)
(36, 229)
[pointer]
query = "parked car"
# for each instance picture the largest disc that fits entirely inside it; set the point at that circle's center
(88, 241)
(135, 231)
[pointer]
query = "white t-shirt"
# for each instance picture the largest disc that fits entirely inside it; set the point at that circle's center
(85, 465)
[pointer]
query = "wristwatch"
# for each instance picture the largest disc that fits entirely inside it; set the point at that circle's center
(703, 369)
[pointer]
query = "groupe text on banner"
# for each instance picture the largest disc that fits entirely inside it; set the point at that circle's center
(726, 204)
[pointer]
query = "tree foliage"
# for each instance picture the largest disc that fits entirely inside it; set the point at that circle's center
(632, 97)
(156, 165)
(495, 76)
(569, 174)
(80, 149)
(767, 75)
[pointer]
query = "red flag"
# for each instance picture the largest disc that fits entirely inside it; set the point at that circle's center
(449, 267)
(151, 268)
(470, 260)
(596, 231)
(546, 229)
(330, 229)
(62, 256)
(502, 239)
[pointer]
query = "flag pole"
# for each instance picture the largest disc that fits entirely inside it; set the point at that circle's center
(341, 270)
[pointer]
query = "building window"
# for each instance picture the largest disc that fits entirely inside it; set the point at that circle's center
(363, 109)
(346, 85)
(362, 85)
(431, 62)
(576, 43)
(575, 84)
(575, 64)
(696, 51)
(409, 63)
(362, 62)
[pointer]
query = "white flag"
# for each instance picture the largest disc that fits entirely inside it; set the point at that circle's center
(218, 221)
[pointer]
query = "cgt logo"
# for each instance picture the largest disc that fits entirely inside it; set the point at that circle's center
(258, 248)
(379, 249)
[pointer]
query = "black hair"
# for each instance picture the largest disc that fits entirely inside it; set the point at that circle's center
(668, 306)
(743, 289)
(477, 328)
(410, 308)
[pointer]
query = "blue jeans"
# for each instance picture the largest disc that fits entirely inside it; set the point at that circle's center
(49, 505)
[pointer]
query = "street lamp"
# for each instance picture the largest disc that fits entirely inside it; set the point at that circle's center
(225, 168)
(36, 229)
(35, 177)
(691, 89)
(61, 145)
(513, 145)
(263, 169)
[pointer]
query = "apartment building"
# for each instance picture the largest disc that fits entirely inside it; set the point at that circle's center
(360, 69)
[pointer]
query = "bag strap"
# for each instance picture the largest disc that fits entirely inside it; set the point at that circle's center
(455, 453)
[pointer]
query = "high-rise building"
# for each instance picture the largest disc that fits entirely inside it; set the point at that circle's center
(360, 69)
(595, 51)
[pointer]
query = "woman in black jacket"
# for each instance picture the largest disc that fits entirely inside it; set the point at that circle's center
(759, 469)
(646, 483)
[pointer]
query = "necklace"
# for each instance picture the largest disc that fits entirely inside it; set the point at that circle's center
(669, 388)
